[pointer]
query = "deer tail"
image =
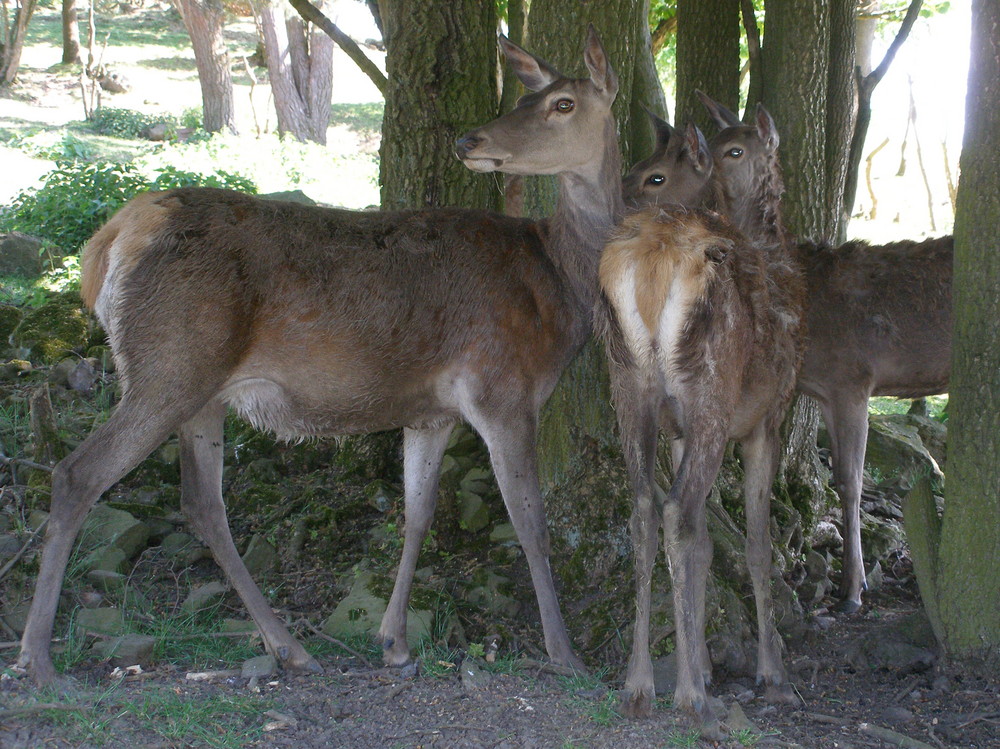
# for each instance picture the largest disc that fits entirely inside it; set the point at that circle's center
(94, 261)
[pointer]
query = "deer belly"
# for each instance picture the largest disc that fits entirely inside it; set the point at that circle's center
(328, 406)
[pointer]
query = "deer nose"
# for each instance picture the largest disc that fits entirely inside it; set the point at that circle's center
(466, 144)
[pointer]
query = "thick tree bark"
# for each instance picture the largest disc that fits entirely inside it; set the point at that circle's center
(713, 68)
(442, 69)
(204, 20)
(70, 33)
(299, 61)
(969, 597)
(14, 30)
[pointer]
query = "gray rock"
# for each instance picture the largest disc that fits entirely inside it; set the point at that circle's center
(261, 667)
(503, 533)
(737, 720)
(83, 376)
(128, 650)
(203, 597)
(291, 196)
(107, 620)
(895, 448)
(360, 614)
(106, 526)
(108, 558)
(474, 513)
(19, 255)
(665, 674)
(107, 581)
(897, 714)
(238, 625)
(9, 546)
(826, 536)
(474, 675)
(260, 556)
(36, 518)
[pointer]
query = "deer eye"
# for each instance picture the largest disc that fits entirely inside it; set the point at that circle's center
(564, 105)
(735, 152)
(656, 179)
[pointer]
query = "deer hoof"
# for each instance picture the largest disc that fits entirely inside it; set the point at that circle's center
(637, 703)
(846, 606)
(781, 694)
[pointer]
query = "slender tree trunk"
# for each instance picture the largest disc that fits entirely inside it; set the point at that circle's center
(714, 68)
(204, 20)
(968, 594)
(300, 68)
(70, 33)
(14, 29)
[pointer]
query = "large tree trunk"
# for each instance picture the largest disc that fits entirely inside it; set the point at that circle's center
(70, 33)
(203, 20)
(442, 68)
(14, 30)
(300, 68)
(968, 595)
(713, 68)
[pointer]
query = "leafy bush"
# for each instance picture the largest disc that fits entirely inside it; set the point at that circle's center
(171, 177)
(77, 198)
(127, 123)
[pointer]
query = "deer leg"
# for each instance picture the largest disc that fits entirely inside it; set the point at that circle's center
(760, 462)
(847, 422)
(423, 450)
(201, 451)
(689, 551)
(638, 428)
(511, 443)
(110, 452)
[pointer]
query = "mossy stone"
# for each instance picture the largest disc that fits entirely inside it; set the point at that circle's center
(10, 318)
(54, 330)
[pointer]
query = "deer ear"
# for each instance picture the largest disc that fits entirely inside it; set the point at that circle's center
(722, 116)
(697, 148)
(663, 129)
(533, 72)
(766, 129)
(602, 74)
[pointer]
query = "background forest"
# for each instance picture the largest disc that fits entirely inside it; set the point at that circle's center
(359, 110)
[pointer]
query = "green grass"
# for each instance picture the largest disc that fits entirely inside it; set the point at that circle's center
(679, 738)
(225, 721)
(883, 405)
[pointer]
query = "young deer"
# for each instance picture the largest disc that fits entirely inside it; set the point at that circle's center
(703, 336)
(878, 317)
(314, 321)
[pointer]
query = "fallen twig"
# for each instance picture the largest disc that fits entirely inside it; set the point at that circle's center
(20, 552)
(976, 717)
(907, 688)
(527, 663)
(210, 675)
(831, 719)
(891, 737)
(396, 690)
(12, 712)
(323, 635)
(25, 462)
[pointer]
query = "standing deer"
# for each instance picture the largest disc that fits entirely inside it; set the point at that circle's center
(703, 335)
(312, 321)
(878, 317)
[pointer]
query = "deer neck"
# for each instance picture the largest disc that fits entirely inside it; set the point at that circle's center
(589, 205)
(757, 213)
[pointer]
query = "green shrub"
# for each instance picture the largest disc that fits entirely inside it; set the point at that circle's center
(127, 123)
(75, 199)
(170, 177)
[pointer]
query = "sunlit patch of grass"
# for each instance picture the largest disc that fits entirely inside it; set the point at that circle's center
(936, 405)
(220, 720)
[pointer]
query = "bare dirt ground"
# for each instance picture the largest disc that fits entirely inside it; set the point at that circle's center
(359, 704)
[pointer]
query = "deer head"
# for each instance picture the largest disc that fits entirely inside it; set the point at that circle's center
(679, 171)
(550, 131)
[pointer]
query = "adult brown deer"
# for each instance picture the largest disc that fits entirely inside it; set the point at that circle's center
(878, 317)
(703, 335)
(313, 321)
